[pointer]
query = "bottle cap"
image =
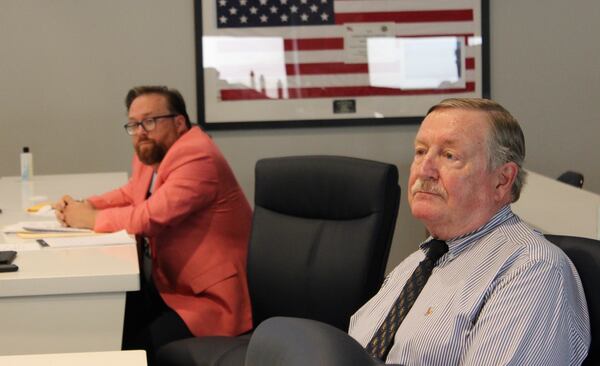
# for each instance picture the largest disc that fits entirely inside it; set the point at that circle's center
(26, 149)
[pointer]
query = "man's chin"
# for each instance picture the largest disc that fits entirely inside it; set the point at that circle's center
(146, 160)
(424, 211)
(149, 156)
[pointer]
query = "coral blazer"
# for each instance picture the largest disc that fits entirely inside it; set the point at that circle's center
(198, 224)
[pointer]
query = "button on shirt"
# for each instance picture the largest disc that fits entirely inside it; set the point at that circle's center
(502, 295)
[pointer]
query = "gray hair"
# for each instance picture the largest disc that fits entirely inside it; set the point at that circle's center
(506, 142)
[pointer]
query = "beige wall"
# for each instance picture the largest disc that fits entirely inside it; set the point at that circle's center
(546, 70)
(65, 66)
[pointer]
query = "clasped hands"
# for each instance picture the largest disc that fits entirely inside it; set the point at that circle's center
(74, 213)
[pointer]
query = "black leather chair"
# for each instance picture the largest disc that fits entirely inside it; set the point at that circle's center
(585, 255)
(574, 179)
(321, 236)
(284, 341)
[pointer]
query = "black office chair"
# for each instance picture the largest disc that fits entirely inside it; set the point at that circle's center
(321, 236)
(574, 179)
(283, 341)
(585, 255)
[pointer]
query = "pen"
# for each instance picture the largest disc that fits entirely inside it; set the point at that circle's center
(42, 242)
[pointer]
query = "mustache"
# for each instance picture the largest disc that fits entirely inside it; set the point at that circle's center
(142, 140)
(427, 186)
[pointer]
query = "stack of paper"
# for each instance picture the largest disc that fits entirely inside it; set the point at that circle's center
(53, 234)
(120, 237)
(44, 229)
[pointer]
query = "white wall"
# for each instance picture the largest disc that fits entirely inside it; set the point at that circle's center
(65, 66)
(546, 71)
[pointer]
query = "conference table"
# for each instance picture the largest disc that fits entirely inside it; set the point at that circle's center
(110, 358)
(61, 300)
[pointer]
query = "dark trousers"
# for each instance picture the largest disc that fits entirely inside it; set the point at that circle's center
(149, 322)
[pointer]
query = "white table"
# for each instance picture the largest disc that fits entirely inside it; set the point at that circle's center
(114, 358)
(68, 299)
(555, 207)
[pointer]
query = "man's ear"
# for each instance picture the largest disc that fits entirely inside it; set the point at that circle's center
(505, 177)
(180, 124)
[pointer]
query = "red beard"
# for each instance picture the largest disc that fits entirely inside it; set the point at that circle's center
(150, 152)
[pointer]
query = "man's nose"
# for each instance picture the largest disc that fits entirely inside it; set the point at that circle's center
(428, 167)
(140, 131)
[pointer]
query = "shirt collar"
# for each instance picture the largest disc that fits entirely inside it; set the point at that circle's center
(459, 244)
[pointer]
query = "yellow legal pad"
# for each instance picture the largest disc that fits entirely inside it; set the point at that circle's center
(41, 235)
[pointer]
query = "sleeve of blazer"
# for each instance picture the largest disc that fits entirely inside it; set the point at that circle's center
(186, 182)
(115, 198)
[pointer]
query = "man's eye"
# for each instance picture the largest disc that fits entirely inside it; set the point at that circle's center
(449, 156)
(419, 152)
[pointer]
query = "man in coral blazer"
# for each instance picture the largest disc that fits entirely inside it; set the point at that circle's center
(185, 203)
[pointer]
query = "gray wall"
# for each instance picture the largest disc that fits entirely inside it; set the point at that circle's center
(546, 70)
(66, 64)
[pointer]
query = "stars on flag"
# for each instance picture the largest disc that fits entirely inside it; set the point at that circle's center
(257, 13)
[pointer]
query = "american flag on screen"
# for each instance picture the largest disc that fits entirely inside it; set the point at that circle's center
(314, 49)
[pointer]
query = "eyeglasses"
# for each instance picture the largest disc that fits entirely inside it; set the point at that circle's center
(148, 124)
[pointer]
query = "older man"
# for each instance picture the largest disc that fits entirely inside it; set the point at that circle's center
(498, 293)
(192, 217)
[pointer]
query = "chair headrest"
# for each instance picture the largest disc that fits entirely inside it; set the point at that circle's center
(320, 186)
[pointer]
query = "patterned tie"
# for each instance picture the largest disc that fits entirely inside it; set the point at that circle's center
(382, 340)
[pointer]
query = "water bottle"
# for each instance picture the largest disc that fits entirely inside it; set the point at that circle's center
(26, 164)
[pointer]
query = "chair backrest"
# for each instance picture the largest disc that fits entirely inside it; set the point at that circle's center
(321, 235)
(585, 255)
(572, 178)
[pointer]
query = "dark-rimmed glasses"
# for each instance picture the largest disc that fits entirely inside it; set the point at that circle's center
(148, 124)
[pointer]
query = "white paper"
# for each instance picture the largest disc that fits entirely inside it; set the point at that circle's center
(120, 237)
(13, 229)
(356, 36)
(21, 247)
(52, 226)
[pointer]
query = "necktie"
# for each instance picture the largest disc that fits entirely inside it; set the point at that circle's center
(382, 340)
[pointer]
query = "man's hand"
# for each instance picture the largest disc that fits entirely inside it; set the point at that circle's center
(74, 213)
(59, 207)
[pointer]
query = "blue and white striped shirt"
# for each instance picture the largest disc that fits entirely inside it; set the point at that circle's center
(502, 295)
